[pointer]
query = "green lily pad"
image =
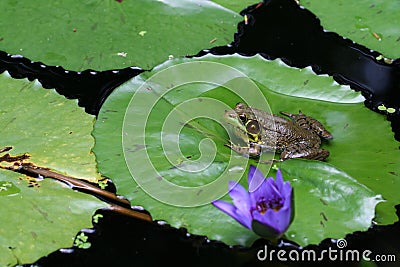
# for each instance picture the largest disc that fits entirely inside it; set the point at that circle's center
(332, 194)
(110, 34)
(364, 21)
(40, 216)
(353, 150)
(39, 220)
(52, 129)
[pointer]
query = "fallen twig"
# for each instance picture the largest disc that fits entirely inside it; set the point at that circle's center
(117, 203)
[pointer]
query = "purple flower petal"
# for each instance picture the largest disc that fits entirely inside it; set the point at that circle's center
(283, 219)
(233, 212)
(287, 189)
(262, 191)
(240, 198)
(274, 186)
(255, 178)
(267, 208)
(277, 220)
(279, 180)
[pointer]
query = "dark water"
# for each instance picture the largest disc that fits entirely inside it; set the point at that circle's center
(120, 241)
(90, 87)
(275, 29)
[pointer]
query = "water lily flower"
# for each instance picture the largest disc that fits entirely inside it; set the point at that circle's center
(267, 207)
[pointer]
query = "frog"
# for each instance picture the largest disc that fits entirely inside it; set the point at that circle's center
(293, 136)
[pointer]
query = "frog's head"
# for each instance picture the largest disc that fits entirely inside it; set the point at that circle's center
(244, 122)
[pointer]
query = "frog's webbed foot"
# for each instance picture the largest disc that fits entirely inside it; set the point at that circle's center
(252, 151)
(307, 153)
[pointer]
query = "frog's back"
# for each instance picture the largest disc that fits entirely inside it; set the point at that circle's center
(281, 133)
(268, 120)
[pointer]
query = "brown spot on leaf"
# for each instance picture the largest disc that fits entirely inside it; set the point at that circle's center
(323, 215)
(43, 213)
(34, 235)
(8, 158)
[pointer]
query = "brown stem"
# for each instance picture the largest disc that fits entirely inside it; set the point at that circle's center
(74, 183)
(129, 212)
(118, 204)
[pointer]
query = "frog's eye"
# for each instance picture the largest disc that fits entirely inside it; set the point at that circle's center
(243, 117)
(253, 127)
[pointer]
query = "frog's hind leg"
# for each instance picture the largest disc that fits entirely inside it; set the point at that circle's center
(309, 123)
(305, 153)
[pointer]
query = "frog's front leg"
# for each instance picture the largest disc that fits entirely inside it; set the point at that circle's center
(253, 150)
(304, 152)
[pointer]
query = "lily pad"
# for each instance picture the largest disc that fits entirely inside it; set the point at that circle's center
(41, 219)
(52, 129)
(332, 194)
(364, 21)
(104, 35)
(40, 216)
(351, 170)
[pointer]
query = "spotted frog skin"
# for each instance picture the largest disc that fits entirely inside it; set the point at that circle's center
(297, 137)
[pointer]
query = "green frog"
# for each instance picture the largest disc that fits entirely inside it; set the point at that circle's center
(297, 137)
